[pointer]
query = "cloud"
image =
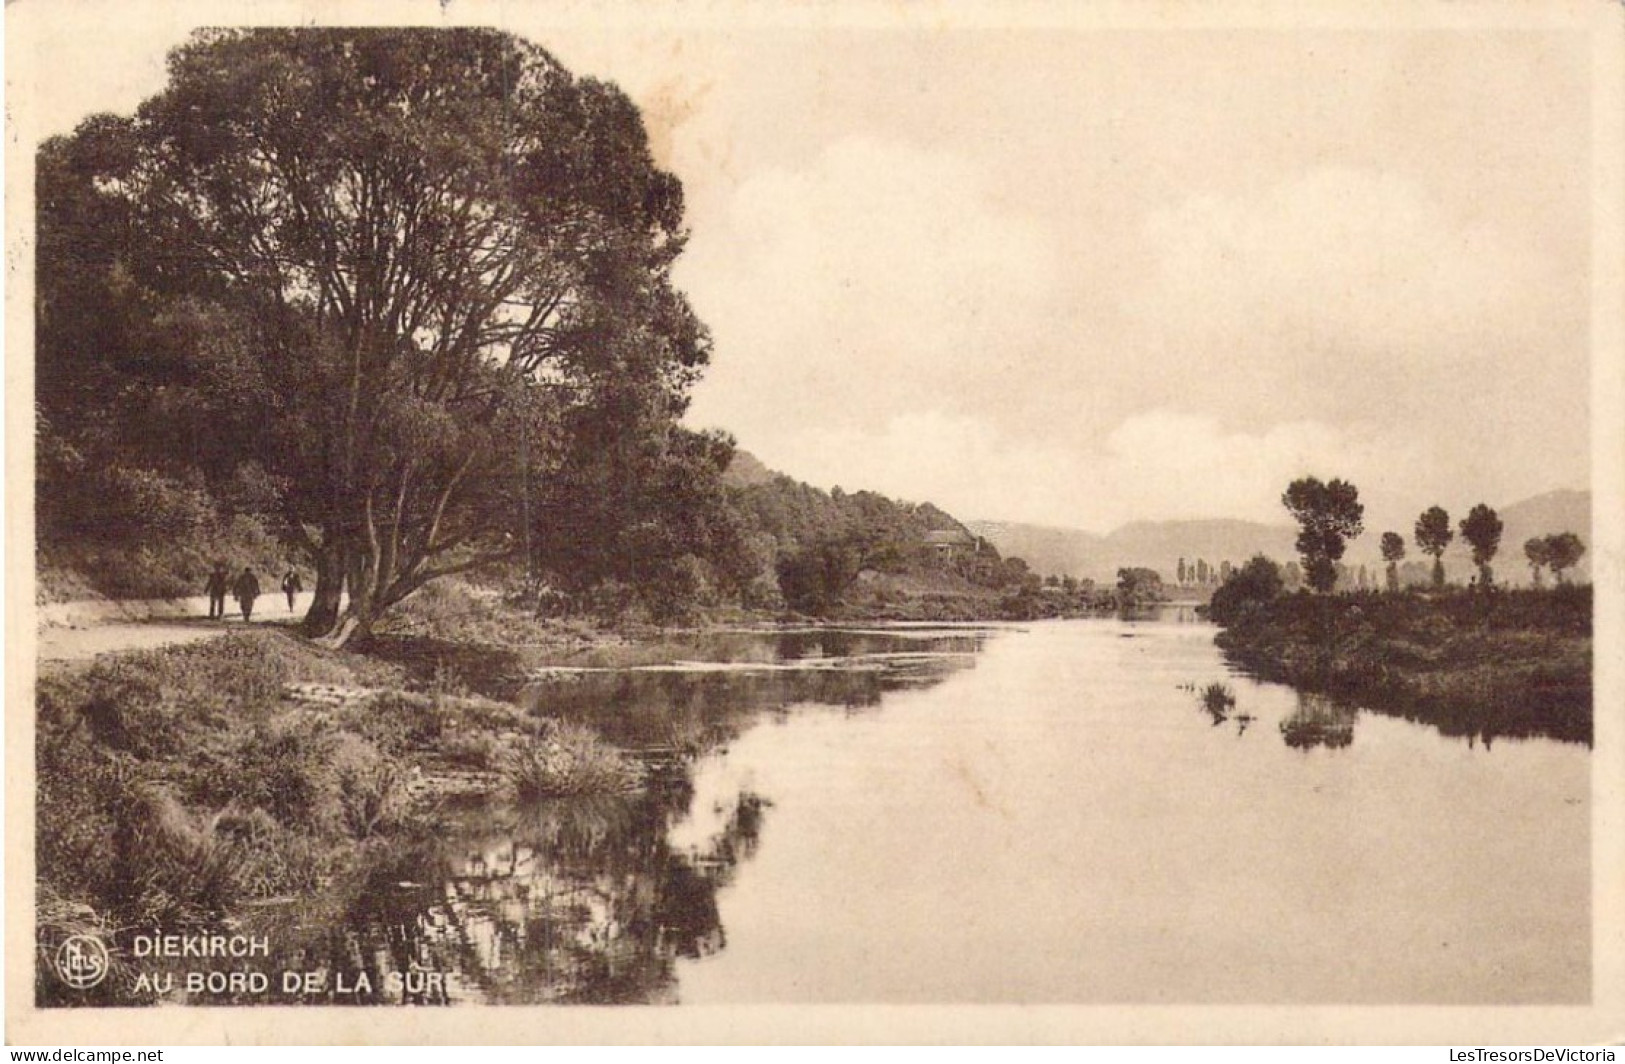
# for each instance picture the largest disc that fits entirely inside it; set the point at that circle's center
(1160, 463)
(1344, 289)
(885, 319)
(878, 279)
(1170, 463)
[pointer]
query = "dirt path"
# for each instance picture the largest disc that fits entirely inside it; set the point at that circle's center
(72, 631)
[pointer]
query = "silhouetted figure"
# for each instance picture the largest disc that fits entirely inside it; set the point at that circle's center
(291, 586)
(216, 590)
(247, 589)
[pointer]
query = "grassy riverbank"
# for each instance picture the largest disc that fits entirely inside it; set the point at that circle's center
(177, 785)
(1512, 663)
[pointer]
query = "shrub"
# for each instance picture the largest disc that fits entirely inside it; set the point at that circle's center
(372, 793)
(120, 703)
(1244, 590)
(276, 860)
(309, 777)
(130, 502)
(157, 703)
(172, 868)
(611, 601)
(285, 768)
(131, 532)
(444, 608)
(569, 759)
(77, 787)
(470, 749)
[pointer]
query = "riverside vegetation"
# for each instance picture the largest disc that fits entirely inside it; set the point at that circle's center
(176, 786)
(1512, 663)
(1481, 662)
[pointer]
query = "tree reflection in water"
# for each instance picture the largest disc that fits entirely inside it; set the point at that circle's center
(582, 900)
(1319, 721)
(574, 901)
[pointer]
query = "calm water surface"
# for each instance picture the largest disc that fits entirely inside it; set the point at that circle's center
(1064, 824)
(1041, 813)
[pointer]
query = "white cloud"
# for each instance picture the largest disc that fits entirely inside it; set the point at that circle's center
(1345, 281)
(880, 279)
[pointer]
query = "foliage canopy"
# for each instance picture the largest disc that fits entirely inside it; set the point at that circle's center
(382, 274)
(1328, 515)
(1481, 528)
(1433, 535)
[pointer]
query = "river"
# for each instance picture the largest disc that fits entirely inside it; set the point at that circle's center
(1023, 813)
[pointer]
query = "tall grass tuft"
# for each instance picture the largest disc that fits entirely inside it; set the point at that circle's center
(1218, 699)
(567, 760)
(175, 869)
(372, 793)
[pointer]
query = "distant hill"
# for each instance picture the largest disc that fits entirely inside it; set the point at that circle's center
(1160, 544)
(1061, 551)
(860, 554)
(748, 471)
(1555, 511)
(1153, 544)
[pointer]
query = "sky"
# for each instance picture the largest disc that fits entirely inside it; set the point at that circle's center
(1080, 275)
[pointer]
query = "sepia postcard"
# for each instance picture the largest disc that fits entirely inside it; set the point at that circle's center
(851, 522)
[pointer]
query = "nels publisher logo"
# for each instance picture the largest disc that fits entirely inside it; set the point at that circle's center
(82, 961)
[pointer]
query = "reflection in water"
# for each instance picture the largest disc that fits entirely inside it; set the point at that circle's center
(581, 901)
(1557, 709)
(1012, 836)
(1063, 824)
(773, 648)
(1218, 701)
(588, 901)
(687, 711)
(1319, 721)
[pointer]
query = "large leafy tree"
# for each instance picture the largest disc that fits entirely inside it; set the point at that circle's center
(1328, 516)
(411, 260)
(1137, 585)
(1433, 535)
(1563, 552)
(645, 509)
(1481, 528)
(1393, 552)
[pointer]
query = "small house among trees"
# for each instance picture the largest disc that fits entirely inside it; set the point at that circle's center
(949, 543)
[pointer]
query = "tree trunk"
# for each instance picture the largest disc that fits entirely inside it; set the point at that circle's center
(1438, 570)
(323, 615)
(361, 610)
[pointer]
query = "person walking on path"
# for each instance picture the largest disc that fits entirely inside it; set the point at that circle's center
(216, 590)
(291, 586)
(247, 589)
